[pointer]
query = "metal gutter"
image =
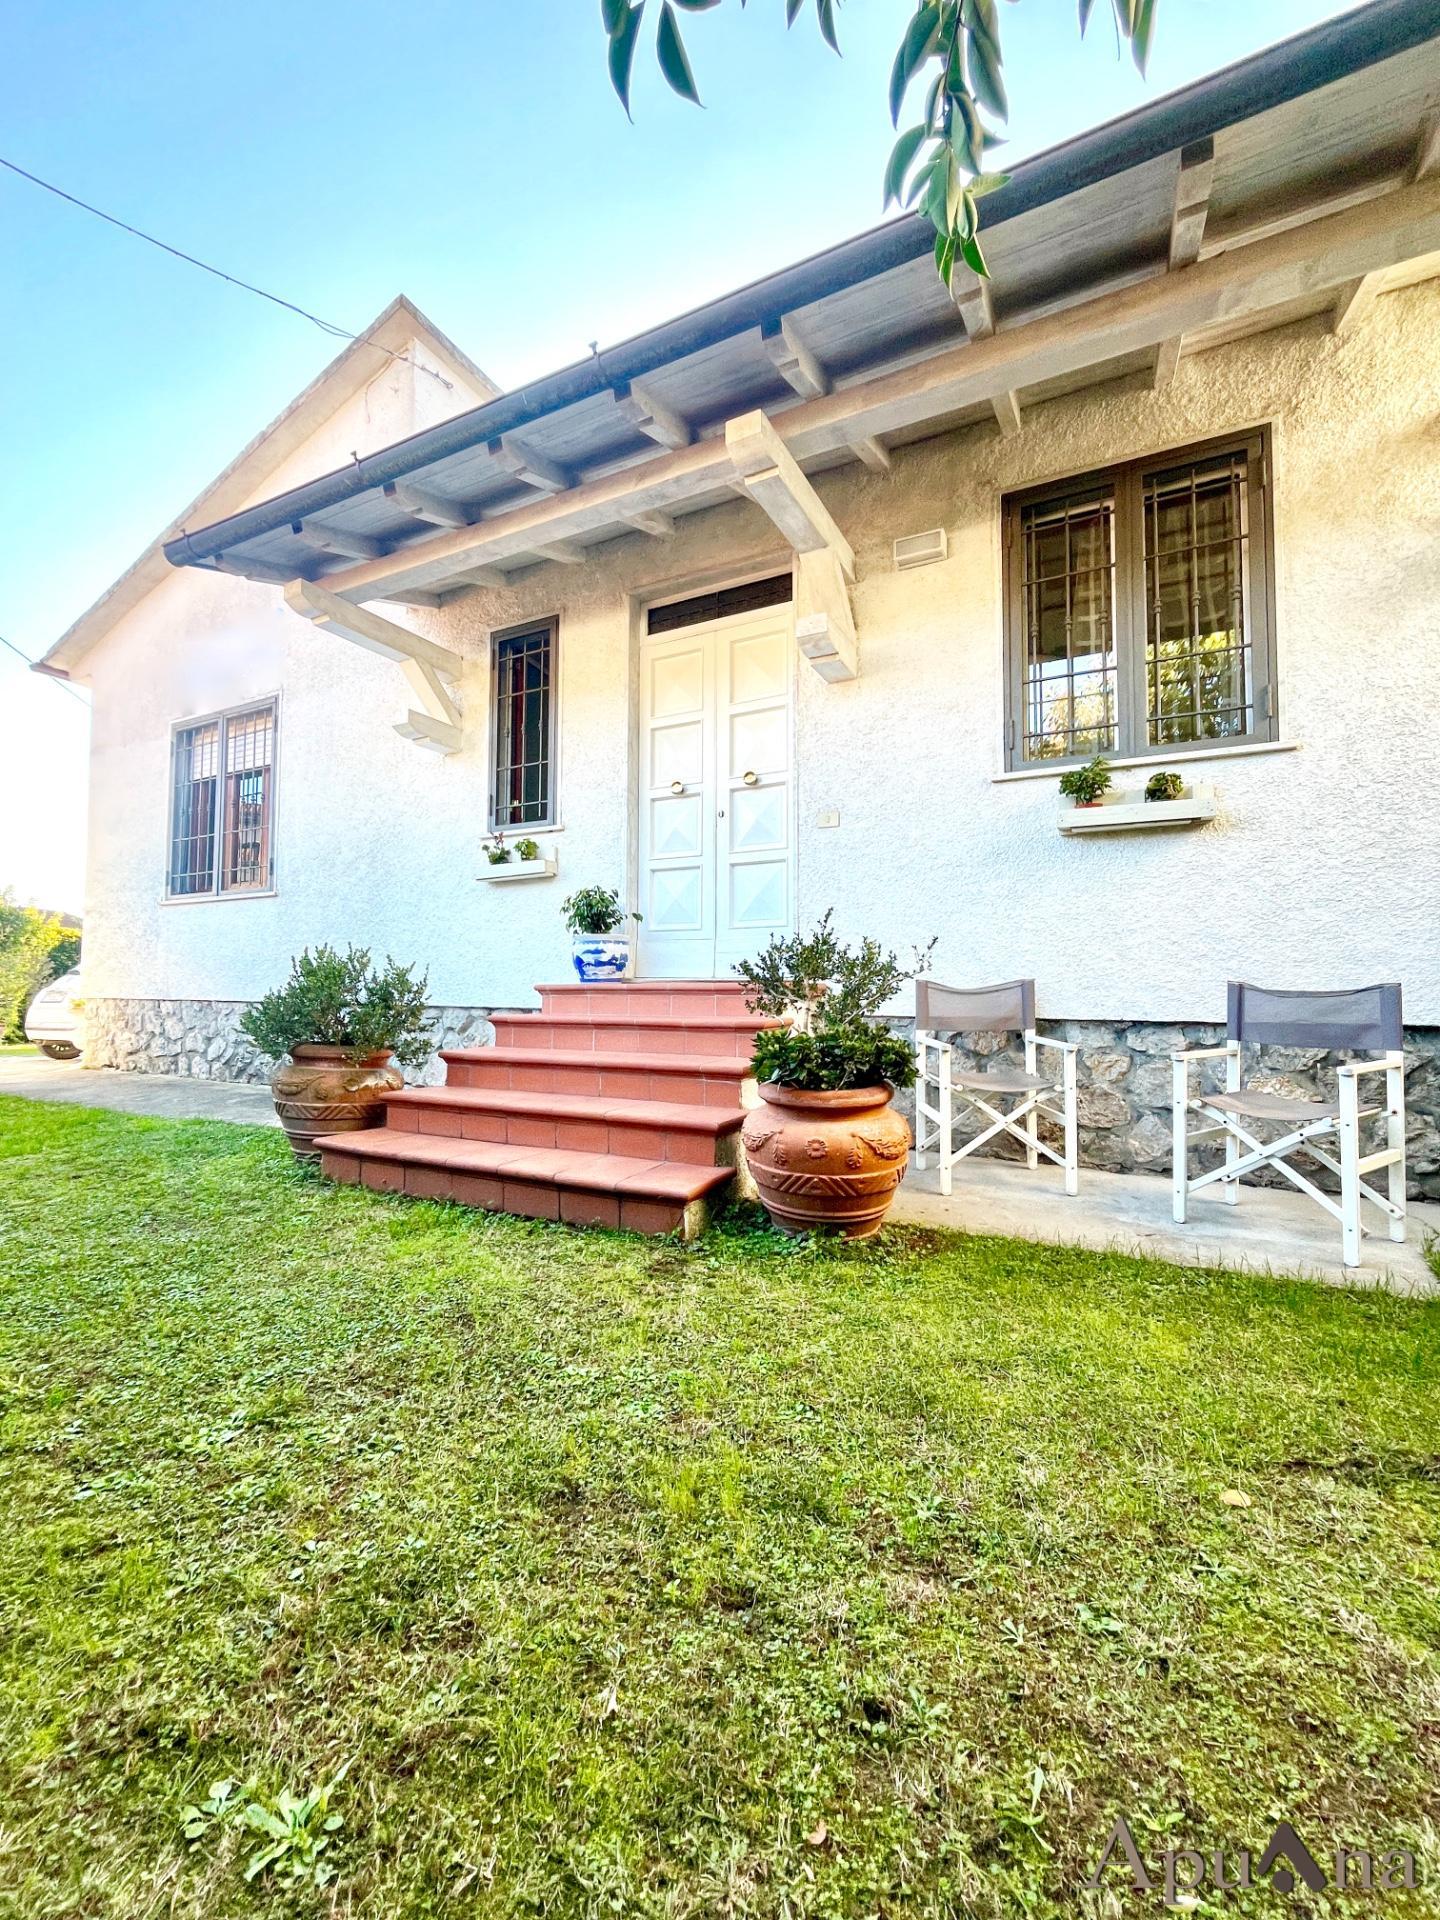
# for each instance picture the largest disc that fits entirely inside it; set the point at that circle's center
(1269, 79)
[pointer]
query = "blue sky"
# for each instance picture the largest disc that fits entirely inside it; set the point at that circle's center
(468, 153)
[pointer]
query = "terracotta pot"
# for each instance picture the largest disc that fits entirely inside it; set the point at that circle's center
(322, 1090)
(827, 1159)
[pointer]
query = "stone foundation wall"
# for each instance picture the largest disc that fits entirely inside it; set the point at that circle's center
(1125, 1092)
(1124, 1073)
(201, 1039)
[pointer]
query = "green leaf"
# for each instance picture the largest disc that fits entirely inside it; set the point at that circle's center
(1086, 7)
(622, 52)
(696, 6)
(974, 258)
(967, 136)
(670, 50)
(945, 256)
(984, 183)
(1143, 32)
(902, 155)
(986, 81)
(613, 13)
(792, 11)
(825, 9)
(918, 44)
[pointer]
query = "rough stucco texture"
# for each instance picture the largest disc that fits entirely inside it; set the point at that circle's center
(1322, 869)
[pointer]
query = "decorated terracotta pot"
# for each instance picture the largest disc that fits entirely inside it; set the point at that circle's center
(827, 1159)
(322, 1090)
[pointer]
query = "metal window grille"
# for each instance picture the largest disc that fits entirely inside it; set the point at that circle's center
(703, 607)
(1071, 667)
(220, 824)
(524, 720)
(1198, 675)
(1138, 615)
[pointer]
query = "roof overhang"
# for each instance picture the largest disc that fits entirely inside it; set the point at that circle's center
(1300, 182)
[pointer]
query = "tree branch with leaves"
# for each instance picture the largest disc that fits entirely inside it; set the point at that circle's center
(937, 166)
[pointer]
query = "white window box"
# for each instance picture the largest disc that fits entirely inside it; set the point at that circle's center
(1126, 810)
(541, 869)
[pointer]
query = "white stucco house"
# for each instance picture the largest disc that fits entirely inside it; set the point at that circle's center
(806, 598)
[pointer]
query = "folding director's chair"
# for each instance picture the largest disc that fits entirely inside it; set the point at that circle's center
(1008, 1008)
(1362, 1019)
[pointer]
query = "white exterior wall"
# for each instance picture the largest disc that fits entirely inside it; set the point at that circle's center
(1323, 868)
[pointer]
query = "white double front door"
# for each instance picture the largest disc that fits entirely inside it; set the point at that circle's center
(716, 830)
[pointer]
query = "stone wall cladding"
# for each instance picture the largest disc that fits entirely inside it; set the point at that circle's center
(1124, 1093)
(201, 1039)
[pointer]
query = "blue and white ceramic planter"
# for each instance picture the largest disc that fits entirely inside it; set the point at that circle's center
(601, 956)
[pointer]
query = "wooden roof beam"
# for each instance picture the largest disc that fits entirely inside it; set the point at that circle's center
(1242, 286)
(1007, 413)
(777, 486)
(871, 452)
(336, 541)
(1354, 301)
(564, 552)
(1167, 359)
(1427, 150)
(972, 297)
(653, 418)
(793, 360)
(372, 631)
(421, 504)
(658, 525)
(1194, 176)
(526, 464)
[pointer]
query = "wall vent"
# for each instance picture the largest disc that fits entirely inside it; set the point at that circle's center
(920, 549)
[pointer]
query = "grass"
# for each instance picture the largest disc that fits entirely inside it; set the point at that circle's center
(9, 1049)
(582, 1575)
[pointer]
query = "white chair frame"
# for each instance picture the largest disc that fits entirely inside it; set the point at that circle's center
(1244, 1152)
(935, 1125)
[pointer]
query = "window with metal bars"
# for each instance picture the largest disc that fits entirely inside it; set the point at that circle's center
(222, 796)
(1138, 608)
(523, 727)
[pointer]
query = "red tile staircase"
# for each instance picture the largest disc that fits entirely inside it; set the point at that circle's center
(613, 1106)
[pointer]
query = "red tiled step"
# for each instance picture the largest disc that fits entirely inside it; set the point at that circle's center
(694, 999)
(703, 1080)
(631, 1032)
(639, 1129)
(586, 1189)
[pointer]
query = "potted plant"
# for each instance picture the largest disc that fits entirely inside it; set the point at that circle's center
(1085, 785)
(826, 1149)
(341, 1022)
(496, 851)
(1164, 786)
(599, 950)
(527, 849)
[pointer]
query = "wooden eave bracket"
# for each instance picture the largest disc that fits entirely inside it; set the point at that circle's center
(433, 671)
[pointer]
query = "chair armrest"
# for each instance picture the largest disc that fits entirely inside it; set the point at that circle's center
(1226, 1052)
(1353, 1069)
(1060, 1046)
(930, 1040)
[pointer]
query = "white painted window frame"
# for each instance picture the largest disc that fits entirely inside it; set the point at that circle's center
(935, 1125)
(1244, 1153)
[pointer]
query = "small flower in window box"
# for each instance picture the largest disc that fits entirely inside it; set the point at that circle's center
(527, 849)
(496, 851)
(1164, 786)
(1088, 784)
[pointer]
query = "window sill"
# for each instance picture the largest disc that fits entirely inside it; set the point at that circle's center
(1052, 769)
(541, 869)
(214, 899)
(1128, 811)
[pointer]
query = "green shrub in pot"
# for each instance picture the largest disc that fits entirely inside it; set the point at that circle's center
(1164, 786)
(1085, 785)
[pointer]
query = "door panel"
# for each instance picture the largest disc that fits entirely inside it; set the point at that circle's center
(716, 806)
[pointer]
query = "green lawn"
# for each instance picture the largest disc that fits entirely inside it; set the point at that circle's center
(9, 1048)
(629, 1578)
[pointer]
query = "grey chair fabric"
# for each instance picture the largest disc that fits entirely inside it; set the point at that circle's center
(1006, 1008)
(1355, 1019)
(1001, 1080)
(1257, 1105)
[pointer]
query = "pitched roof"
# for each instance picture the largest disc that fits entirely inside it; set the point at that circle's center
(352, 368)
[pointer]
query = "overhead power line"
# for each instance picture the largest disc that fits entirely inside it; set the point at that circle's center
(178, 253)
(63, 685)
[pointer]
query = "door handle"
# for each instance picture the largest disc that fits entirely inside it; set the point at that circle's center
(677, 786)
(751, 778)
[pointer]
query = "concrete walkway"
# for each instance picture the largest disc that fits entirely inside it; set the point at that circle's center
(158, 1096)
(1268, 1231)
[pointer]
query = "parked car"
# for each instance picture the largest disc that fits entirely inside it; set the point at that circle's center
(53, 1021)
